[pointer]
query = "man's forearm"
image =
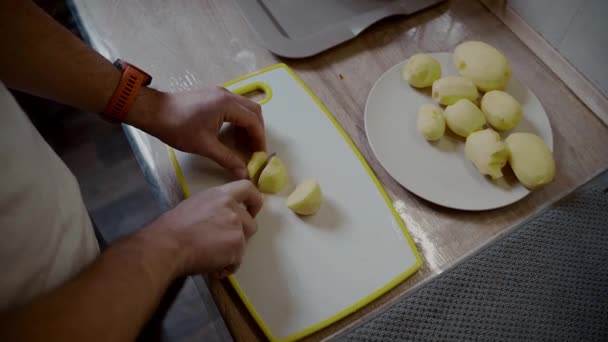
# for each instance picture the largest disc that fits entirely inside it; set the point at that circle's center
(109, 301)
(41, 57)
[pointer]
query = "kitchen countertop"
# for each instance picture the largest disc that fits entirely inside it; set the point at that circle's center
(191, 44)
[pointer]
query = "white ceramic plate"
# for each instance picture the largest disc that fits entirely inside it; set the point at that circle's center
(439, 172)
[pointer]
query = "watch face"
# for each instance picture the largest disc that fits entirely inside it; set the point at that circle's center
(122, 65)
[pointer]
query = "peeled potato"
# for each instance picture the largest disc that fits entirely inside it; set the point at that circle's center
(464, 118)
(255, 163)
(487, 152)
(502, 111)
(431, 123)
(421, 70)
(274, 176)
(483, 64)
(306, 199)
(450, 89)
(530, 159)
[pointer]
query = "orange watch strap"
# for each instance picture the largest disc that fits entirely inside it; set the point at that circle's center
(126, 91)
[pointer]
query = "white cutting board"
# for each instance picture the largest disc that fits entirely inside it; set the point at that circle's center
(300, 274)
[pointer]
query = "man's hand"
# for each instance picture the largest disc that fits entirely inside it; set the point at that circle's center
(212, 227)
(206, 233)
(191, 122)
(33, 59)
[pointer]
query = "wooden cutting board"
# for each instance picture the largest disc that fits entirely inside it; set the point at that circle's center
(300, 274)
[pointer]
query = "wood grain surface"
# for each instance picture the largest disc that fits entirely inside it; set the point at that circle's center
(190, 44)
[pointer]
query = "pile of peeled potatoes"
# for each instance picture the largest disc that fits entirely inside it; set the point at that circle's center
(482, 68)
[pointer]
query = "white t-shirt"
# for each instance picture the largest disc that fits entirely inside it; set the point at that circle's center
(46, 235)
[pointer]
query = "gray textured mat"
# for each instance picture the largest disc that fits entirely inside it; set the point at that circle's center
(547, 280)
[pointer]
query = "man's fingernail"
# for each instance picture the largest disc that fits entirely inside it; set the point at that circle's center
(241, 173)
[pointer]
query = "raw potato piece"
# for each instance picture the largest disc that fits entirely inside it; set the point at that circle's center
(502, 111)
(255, 163)
(274, 176)
(431, 123)
(450, 89)
(464, 118)
(487, 152)
(306, 199)
(483, 64)
(421, 70)
(530, 159)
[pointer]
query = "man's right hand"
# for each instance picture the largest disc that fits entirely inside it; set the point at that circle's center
(212, 227)
(206, 233)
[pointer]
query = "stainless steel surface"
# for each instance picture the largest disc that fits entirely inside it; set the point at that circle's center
(189, 44)
(152, 156)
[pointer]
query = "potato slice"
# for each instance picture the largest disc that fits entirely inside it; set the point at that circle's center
(450, 89)
(531, 159)
(257, 161)
(464, 118)
(421, 70)
(483, 64)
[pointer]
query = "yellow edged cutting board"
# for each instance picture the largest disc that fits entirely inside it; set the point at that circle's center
(300, 274)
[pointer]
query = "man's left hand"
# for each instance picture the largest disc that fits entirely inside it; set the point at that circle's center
(191, 122)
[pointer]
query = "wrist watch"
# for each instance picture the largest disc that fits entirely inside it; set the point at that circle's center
(133, 78)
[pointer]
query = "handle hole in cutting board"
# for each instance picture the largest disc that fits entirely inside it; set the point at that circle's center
(259, 92)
